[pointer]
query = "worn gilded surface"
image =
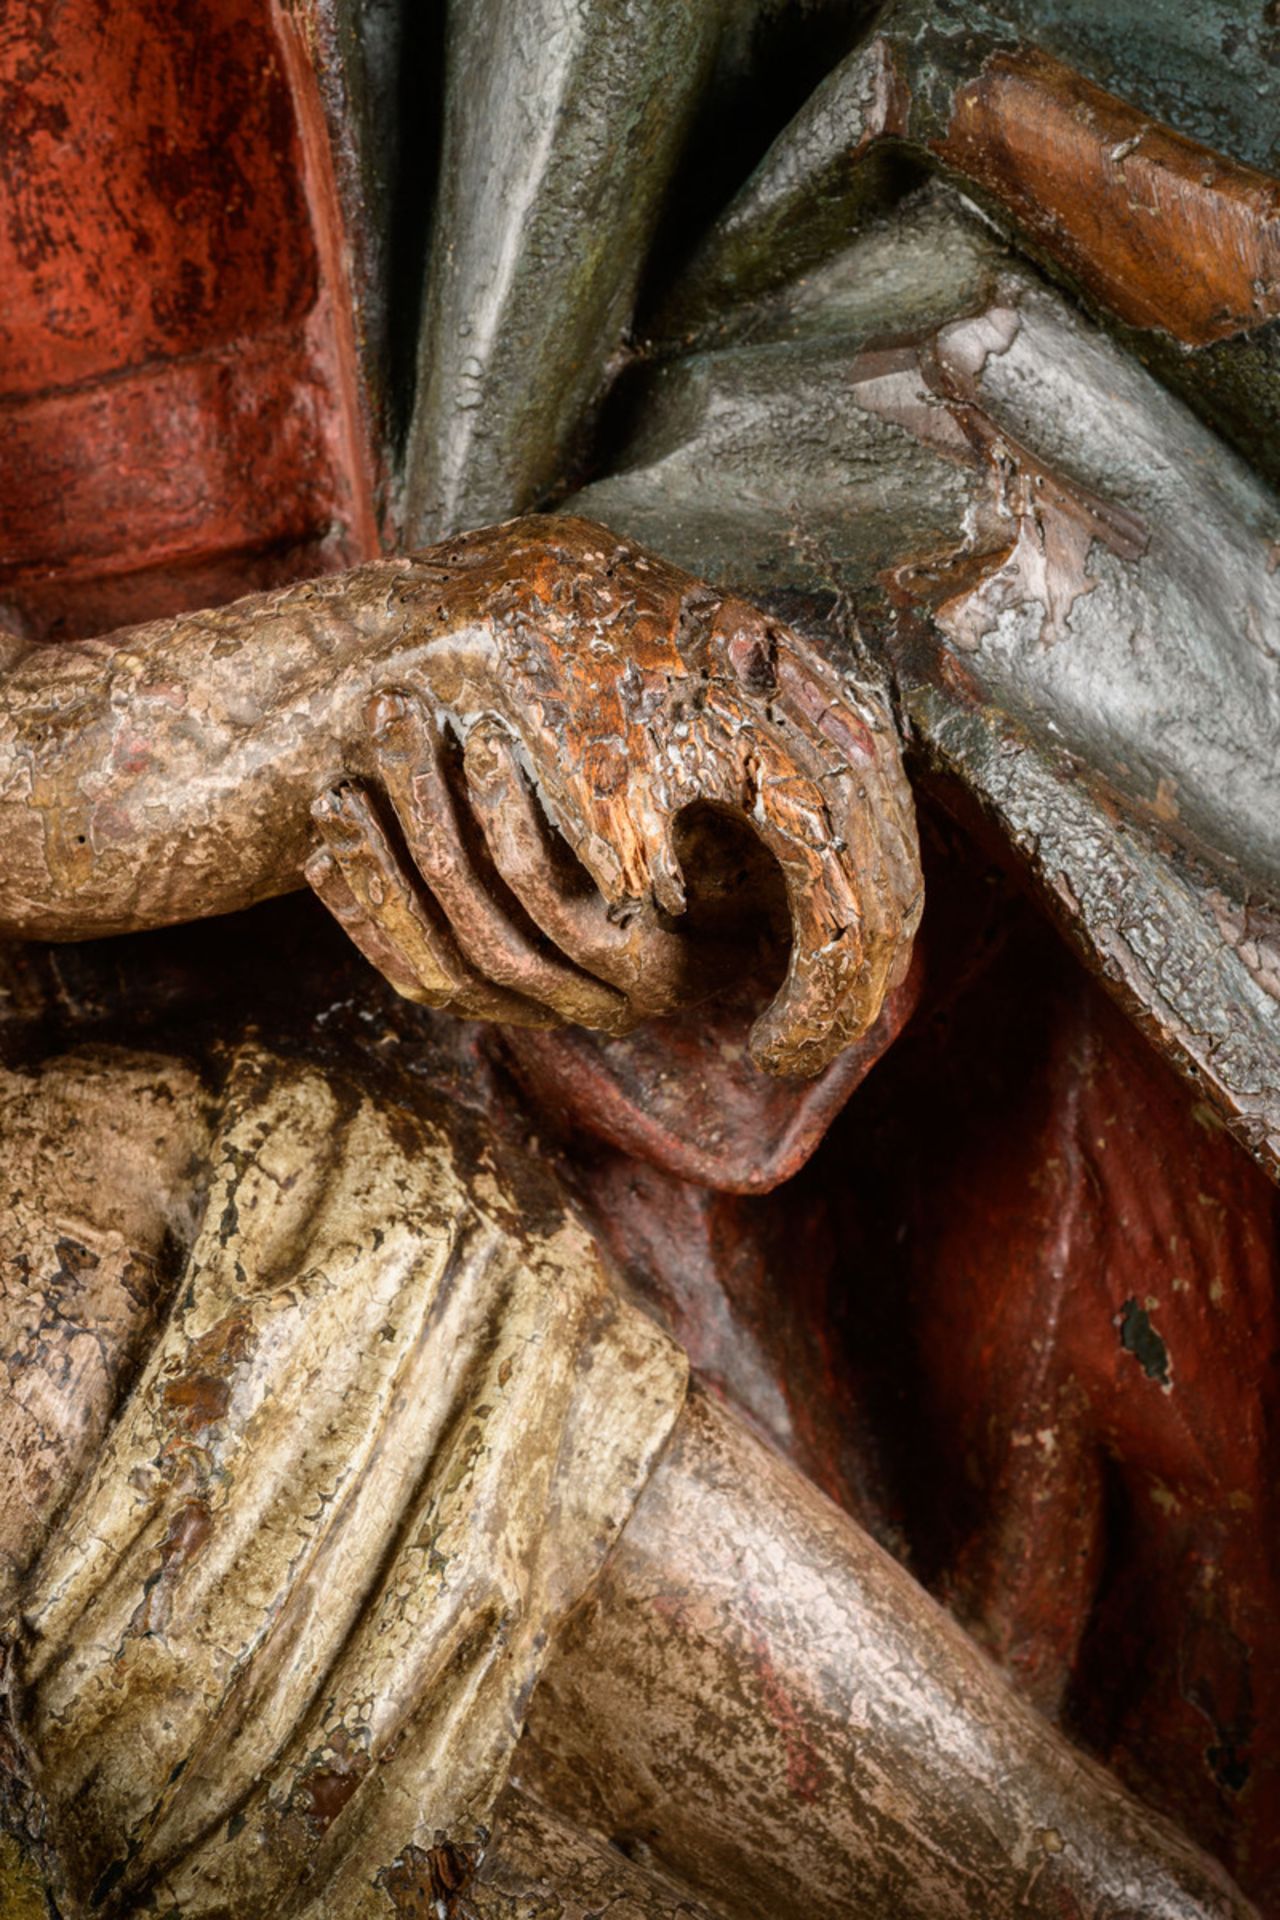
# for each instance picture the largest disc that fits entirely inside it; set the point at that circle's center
(802, 909)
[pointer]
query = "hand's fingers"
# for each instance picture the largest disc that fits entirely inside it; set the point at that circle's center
(850, 940)
(411, 767)
(324, 876)
(834, 986)
(857, 767)
(655, 969)
(391, 920)
(823, 786)
(789, 684)
(586, 774)
(816, 815)
(865, 789)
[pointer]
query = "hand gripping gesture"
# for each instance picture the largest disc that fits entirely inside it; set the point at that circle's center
(514, 849)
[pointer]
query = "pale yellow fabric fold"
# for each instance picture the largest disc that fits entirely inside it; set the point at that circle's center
(289, 1624)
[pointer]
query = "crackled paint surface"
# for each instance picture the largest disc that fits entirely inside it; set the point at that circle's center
(1018, 1313)
(301, 1572)
(177, 366)
(631, 692)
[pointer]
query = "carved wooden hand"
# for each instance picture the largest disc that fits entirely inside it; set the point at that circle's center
(585, 686)
(450, 709)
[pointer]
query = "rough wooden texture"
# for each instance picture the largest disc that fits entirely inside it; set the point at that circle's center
(538, 1864)
(1146, 196)
(99, 1155)
(880, 1761)
(882, 435)
(541, 101)
(1060, 1278)
(394, 1445)
(172, 770)
(178, 382)
(304, 1575)
(1082, 632)
(1158, 230)
(1071, 576)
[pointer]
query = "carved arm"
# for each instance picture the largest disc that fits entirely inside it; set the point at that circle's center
(440, 715)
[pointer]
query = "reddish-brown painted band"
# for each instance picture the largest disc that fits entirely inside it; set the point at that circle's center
(1159, 229)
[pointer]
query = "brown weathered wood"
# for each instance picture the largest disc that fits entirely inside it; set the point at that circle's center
(762, 1699)
(184, 768)
(1158, 229)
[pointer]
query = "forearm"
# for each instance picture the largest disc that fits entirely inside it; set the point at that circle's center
(864, 1756)
(167, 772)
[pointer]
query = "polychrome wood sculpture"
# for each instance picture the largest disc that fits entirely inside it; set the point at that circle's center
(704, 1342)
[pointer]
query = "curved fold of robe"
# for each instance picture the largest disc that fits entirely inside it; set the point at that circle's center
(287, 1627)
